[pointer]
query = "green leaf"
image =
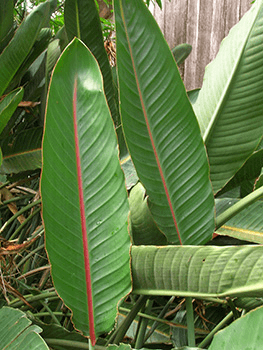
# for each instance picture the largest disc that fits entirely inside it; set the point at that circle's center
(53, 53)
(19, 47)
(248, 303)
(85, 204)
(51, 332)
(8, 105)
(249, 171)
(82, 21)
(246, 225)
(22, 153)
(230, 120)
(181, 52)
(39, 46)
(239, 206)
(161, 130)
(16, 331)
(199, 272)
(6, 22)
(120, 347)
(143, 228)
(244, 333)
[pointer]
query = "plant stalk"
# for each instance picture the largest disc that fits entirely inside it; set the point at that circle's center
(216, 329)
(190, 322)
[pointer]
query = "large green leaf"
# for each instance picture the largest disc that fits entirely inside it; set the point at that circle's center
(17, 331)
(230, 104)
(85, 204)
(8, 106)
(19, 47)
(244, 333)
(160, 128)
(82, 21)
(204, 271)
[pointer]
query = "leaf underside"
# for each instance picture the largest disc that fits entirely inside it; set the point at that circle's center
(204, 271)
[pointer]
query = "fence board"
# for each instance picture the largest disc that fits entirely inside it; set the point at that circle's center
(201, 23)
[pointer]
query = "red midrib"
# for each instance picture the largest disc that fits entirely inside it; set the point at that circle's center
(83, 223)
(149, 130)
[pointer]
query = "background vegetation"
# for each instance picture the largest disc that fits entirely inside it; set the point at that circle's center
(182, 295)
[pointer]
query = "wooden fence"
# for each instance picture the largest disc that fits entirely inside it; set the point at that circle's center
(201, 23)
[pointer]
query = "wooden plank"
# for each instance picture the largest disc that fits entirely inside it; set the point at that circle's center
(192, 38)
(201, 23)
(175, 14)
(159, 15)
(232, 14)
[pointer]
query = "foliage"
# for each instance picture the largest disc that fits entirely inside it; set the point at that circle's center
(197, 155)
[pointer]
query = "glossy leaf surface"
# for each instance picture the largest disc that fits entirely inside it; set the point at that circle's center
(230, 104)
(85, 205)
(204, 271)
(19, 47)
(82, 21)
(160, 128)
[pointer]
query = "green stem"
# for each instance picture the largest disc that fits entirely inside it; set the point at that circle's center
(21, 211)
(143, 326)
(233, 308)
(30, 298)
(4, 184)
(52, 315)
(160, 320)
(239, 206)
(57, 313)
(15, 199)
(120, 332)
(91, 347)
(22, 261)
(24, 223)
(70, 344)
(190, 322)
(161, 314)
(220, 325)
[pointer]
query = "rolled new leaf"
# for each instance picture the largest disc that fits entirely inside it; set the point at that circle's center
(160, 128)
(85, 205)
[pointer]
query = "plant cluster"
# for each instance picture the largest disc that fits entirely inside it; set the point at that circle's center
(131, 211)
